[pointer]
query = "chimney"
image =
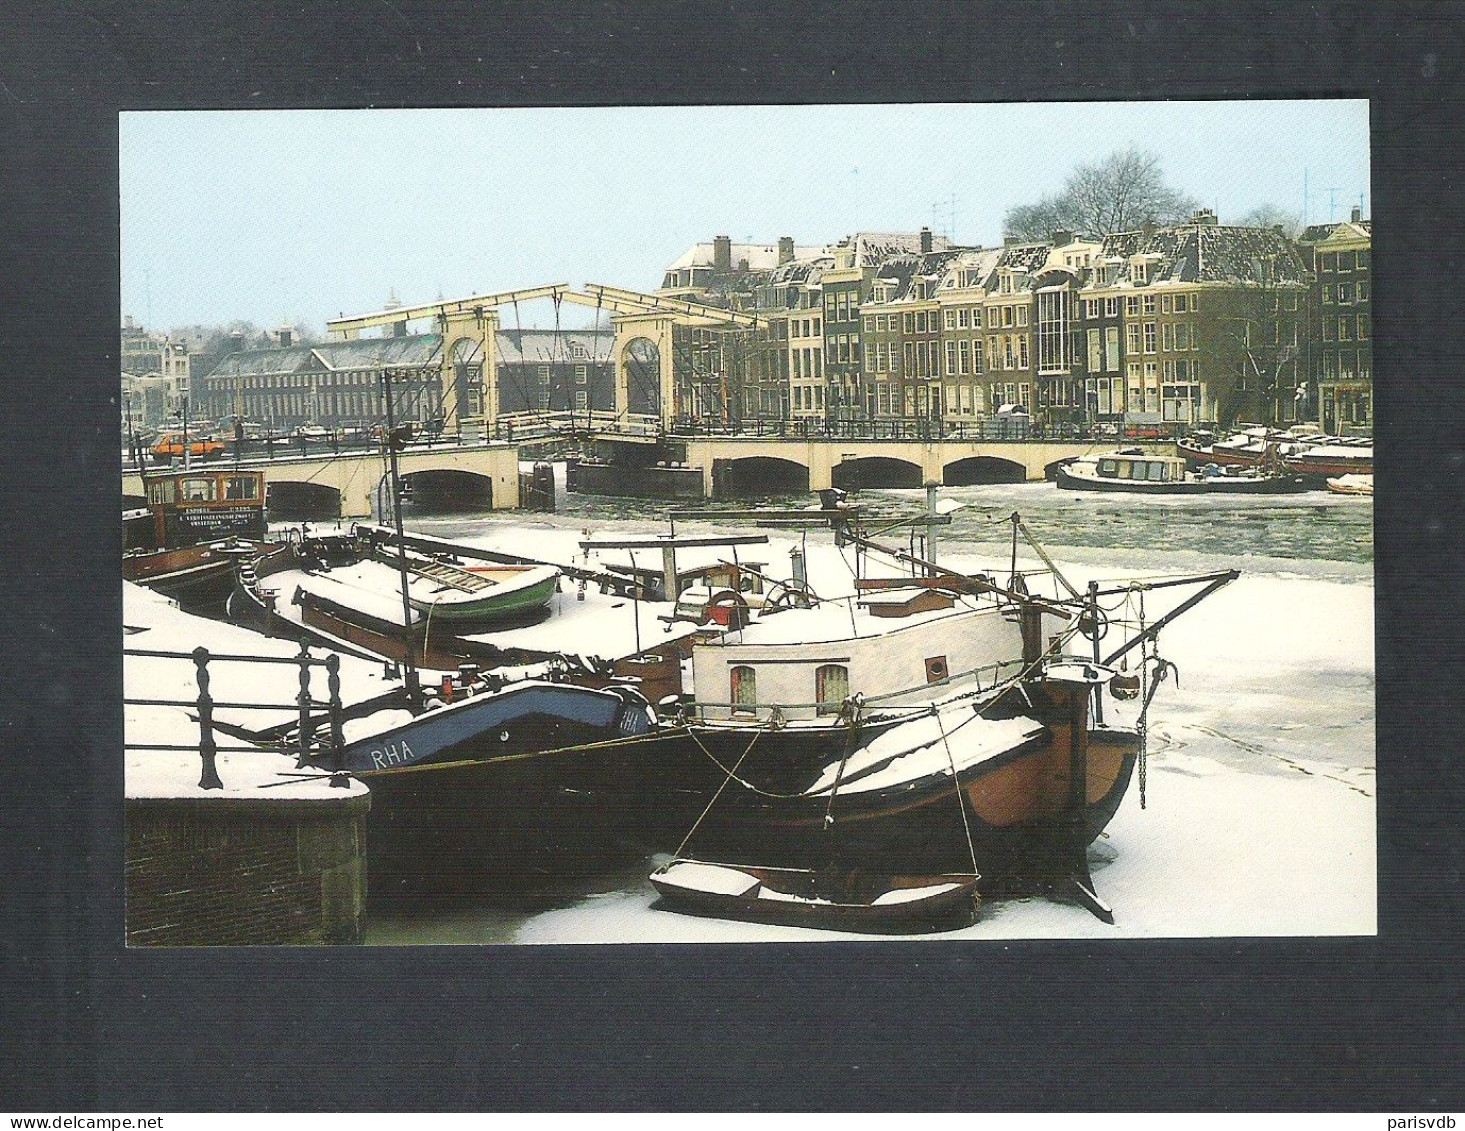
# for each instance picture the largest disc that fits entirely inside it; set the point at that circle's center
(925, 241)
(742, 264)
(1011, 241)
(785, 249)
(1357, 214)
(236, 341)
(1060, 238)
(285, 335)
(399, 329)
(722, 254)
(1205, 218)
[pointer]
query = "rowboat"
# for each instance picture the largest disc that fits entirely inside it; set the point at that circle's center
(831, 899)
(481, 595)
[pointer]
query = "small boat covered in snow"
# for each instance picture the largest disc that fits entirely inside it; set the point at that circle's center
(1139, 473)
(479, 596)
(832, 899)
(1351, 485)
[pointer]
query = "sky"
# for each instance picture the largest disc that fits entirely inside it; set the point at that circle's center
(281, 217)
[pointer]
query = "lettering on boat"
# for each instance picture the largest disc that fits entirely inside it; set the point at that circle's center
(391, 756)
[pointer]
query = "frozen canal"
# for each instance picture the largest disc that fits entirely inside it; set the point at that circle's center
(1260, 816)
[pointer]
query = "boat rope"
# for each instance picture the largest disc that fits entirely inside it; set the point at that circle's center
(956, 788)
(849, 748)
(732, 773)
(698, 823)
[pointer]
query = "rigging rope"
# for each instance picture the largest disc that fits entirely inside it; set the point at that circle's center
(698, 824)
(956, 788)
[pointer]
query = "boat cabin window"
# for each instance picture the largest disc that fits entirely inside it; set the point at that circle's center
(161, 492)
(241, 487)
(831, 687)
(198, 490)
(744, 689)
(1108, 467)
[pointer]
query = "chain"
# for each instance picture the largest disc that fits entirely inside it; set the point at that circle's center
(1144, 711)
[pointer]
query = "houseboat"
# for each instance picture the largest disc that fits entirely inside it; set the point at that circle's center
(197, 526)
(1140, 473)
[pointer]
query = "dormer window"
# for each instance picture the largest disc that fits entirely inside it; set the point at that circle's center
(1140, 271)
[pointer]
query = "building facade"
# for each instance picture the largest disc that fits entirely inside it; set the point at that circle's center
(1341, 361)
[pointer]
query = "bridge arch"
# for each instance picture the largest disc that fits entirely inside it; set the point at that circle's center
(641, 363)
(758, 475)
(875, 472)
(979, 471)
(298, 499)
(448, 489)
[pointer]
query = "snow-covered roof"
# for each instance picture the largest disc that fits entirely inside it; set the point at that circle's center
(1207, 253)
(759, 256)
(847, 619)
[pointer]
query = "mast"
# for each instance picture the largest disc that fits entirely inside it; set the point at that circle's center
(414, 688)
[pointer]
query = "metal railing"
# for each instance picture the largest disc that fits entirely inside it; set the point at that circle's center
(315, 734)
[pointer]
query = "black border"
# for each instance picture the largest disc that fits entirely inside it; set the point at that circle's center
(1234, 1024)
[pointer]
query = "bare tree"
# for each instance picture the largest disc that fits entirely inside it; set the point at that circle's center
(1274, 216)
(1265, 326)
(1117, 194)
(1038, 221)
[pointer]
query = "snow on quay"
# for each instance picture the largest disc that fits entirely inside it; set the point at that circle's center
(151, 621)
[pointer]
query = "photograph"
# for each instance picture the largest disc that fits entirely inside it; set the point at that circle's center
(747, 523)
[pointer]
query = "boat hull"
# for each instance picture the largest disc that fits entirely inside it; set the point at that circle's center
(492, 609)
(1015, 807)
(508, 784)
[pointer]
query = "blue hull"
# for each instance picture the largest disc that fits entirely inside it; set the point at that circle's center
(492, 725)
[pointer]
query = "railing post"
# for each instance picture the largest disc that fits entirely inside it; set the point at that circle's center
(207, 749)
(303, 699)
(338, 739)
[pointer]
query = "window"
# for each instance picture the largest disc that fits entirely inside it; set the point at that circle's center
(197, 490)
(1149, 304)
(964, 356)
(1132, 333)
(1131, 304)
(909, 322)
(1022, 316)
(950, 357)
(1096, 351)
(1167, 336)
(963, 318)
(744, 690)
(950, 319)
(240, 487)
(976, 318)
(1345, 329)
(976, 355)
(1055, 310)
(1166, 304)
(1149, 336)
(1327, 294)
(1007, 316)
(1363, 327)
